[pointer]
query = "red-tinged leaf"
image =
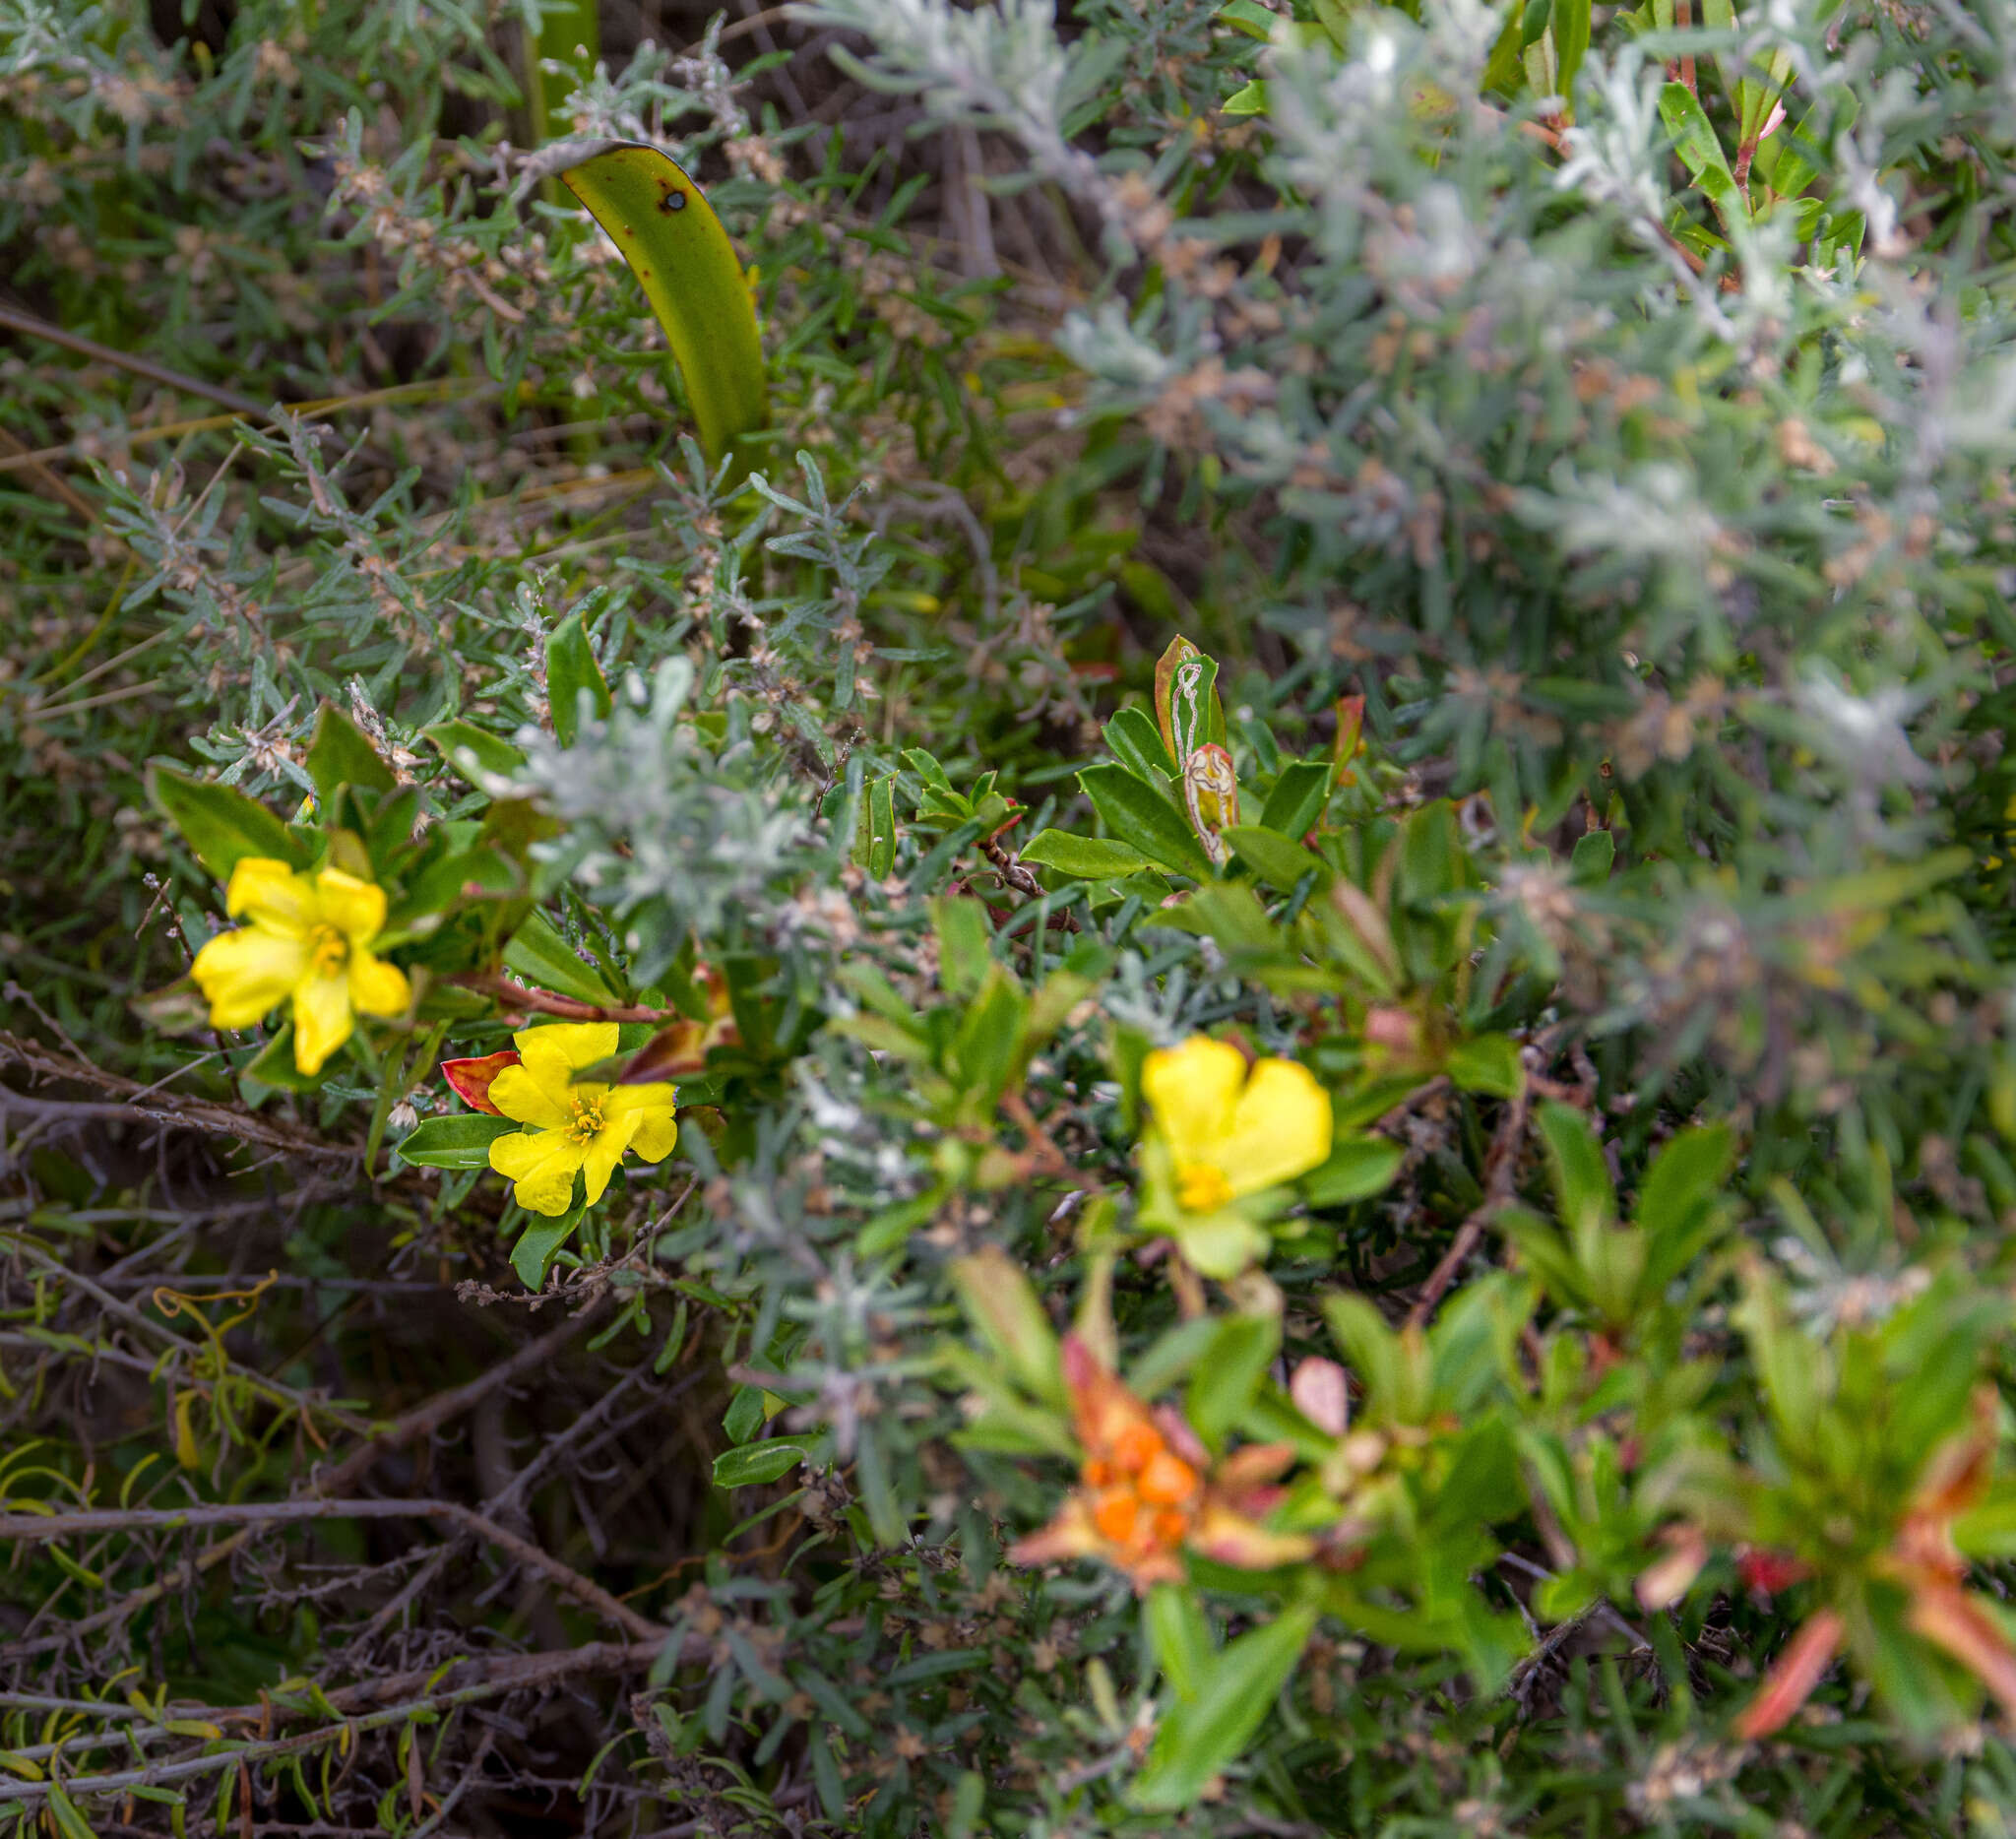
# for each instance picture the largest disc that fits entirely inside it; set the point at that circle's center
(1666, 1579)
(471, 1079)
(1770, 1571)
(1350, 728)
(1793, 1677)
(1948, 1618)
(1322, 1394)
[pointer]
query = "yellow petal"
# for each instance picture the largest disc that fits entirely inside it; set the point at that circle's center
(604, 1151)
(1280, 1128)
(377, 988)
(356, 909)
(567, 1047)
(1191, 1089)
(519, 1093)
(272, 893)
(322, 1020)
(542, 1164)
(247, 974)
(657, 1133)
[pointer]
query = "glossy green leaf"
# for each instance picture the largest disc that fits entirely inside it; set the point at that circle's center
(1143, 818)
(1295, 805)
(458, 1142)
(1279, 860)
(756, 1463)
(541, 1243)
(678, 250)
(1083, 858)
(1136, 742)
(538, 954)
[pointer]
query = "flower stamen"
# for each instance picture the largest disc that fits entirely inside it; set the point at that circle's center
(1202, 1188)
(328, 952)
(588, 1122)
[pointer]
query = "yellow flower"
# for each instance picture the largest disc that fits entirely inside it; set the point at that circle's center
(309, 938)
(585, 1126)
(1222, 1135)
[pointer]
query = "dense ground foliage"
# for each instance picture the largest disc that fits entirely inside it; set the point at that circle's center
(1247, 1064)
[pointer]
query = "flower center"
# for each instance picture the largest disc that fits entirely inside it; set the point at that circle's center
(1201, 1188)
(328, 951)
(588, 1122)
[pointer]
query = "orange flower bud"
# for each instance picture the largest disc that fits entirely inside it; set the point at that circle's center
(1168, 1481)
(1136, 1448)
(1115, 1516)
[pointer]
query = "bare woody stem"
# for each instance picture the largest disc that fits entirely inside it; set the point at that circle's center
(563, 1577)
(518, 996)
(364, 1709)
(1500, 1166)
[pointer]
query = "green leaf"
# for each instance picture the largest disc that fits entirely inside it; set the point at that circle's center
(1201, 1735)
(1505, 70)
(1248, 17)
(488, 752)
(965, 943)
(537, 953)
(1687, 1173)
(1294, 806)
(1700, 151)
(539, 1245)
(1595, 851)
(1083, 858)
(756, 1463)
(219, 822)
(1132, 735)
(1359, 1168)
(459, 1142)
(1249, 100)
(875, 828)
(988, 1046)
(63, 1814)
(1001, 1302)
(1279, 860)
(1487, 1063)
(1224, 1380)
(340, 755)
(1143, 818)
(675, 245)
(1571, 43)
(1180, 1637)
(274, 1065)
(571, 671)
(1582, 1181)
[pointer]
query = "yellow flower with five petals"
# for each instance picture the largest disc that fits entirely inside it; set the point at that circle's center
(585, 1125)
(309, 938)
(1223, 1140)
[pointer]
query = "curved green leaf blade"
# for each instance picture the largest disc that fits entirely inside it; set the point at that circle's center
(677, 247)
